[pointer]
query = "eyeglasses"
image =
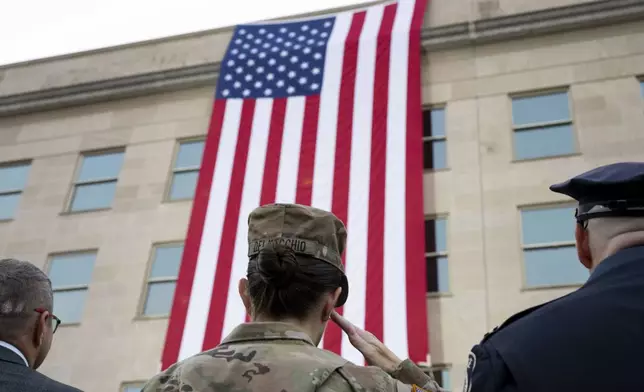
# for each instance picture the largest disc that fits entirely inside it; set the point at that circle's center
(56, 319)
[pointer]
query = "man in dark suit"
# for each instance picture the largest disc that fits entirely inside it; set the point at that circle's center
(27, 327)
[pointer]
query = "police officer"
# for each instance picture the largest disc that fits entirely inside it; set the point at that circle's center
(593, 338)
(295, 279)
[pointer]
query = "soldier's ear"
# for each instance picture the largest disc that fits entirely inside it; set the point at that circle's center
(329, 304)
(243, 294)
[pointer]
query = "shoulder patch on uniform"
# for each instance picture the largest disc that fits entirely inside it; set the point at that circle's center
(471, 365)
(416, 388)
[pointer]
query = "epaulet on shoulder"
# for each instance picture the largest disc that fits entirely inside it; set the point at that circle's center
(512, 319)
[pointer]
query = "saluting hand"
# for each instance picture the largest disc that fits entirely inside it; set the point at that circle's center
(373, 350)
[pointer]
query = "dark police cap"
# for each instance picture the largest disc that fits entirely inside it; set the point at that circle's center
(612, 190)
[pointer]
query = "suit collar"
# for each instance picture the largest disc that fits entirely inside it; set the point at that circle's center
(9, 353)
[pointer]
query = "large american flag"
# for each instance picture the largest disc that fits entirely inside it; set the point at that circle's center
(324, 111)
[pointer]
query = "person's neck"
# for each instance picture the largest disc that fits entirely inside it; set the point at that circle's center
(305, 325)
(618, 243)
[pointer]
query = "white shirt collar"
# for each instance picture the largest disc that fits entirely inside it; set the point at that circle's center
(15, 350)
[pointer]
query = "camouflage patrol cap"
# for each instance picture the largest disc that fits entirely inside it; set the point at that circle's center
(306, 230)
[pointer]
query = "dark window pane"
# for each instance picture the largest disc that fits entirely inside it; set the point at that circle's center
(544, 142)
(159, 299)
(189, 155)
(435, 235)
(553, 267)
(437, 275)
(427, 123)
(434, 122)
(103, 166)
(9, 205)
(184, 185)
(166, 261)
(93, 196)
(69, 305)
(14, 177)
(548, 225)
(71, 269)
(540, 109)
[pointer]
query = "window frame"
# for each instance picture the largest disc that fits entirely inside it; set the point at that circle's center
(436, 255)
(24, 162)
(85, 287)
(545, 124)
(135, 384)
(147, 280)
(432, 139)
(542, 246)
(174, 170)
(75, 182)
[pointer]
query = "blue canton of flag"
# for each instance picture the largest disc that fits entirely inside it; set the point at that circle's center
(275, 60)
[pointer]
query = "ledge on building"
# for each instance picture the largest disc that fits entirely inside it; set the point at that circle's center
(580, 16)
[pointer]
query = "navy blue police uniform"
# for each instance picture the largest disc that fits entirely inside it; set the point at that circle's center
(591, 339)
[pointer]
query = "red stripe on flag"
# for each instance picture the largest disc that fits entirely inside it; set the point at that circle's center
(177, 321)
(227, 247)
(273, 150)
(307, 150)
(417, 331)
(340, 203)
(376, 233)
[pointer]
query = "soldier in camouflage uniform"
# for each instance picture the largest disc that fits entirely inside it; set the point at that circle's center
(295, 279)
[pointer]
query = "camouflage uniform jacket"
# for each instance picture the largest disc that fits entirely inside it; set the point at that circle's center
(281, 358)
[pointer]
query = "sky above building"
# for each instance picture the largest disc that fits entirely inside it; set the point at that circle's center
(34, 29)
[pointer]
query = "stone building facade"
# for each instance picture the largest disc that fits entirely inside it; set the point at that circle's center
(519, 94)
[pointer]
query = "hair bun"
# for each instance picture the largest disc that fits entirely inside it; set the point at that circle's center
(276, 265)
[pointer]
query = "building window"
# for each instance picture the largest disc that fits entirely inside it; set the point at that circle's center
(185, 170)
(13, 179)
(642, 88)
(70, 275)
(549, 253)
(436, 255)
(162, 278)
(542, 126)
(442, 377)
(434, 142)
(95, 183)
(132, 386)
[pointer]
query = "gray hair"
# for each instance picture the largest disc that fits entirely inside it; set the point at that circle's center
(23, 288)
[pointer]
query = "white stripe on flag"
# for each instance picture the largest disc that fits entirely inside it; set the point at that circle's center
(235, 312)
(290, 154)
(204, 278)
(328, 119)
(395, 299)
(358, 214)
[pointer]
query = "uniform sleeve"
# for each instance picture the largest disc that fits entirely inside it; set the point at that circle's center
(487, 372)
(410, 374)
(409, 378)
(176, 379)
